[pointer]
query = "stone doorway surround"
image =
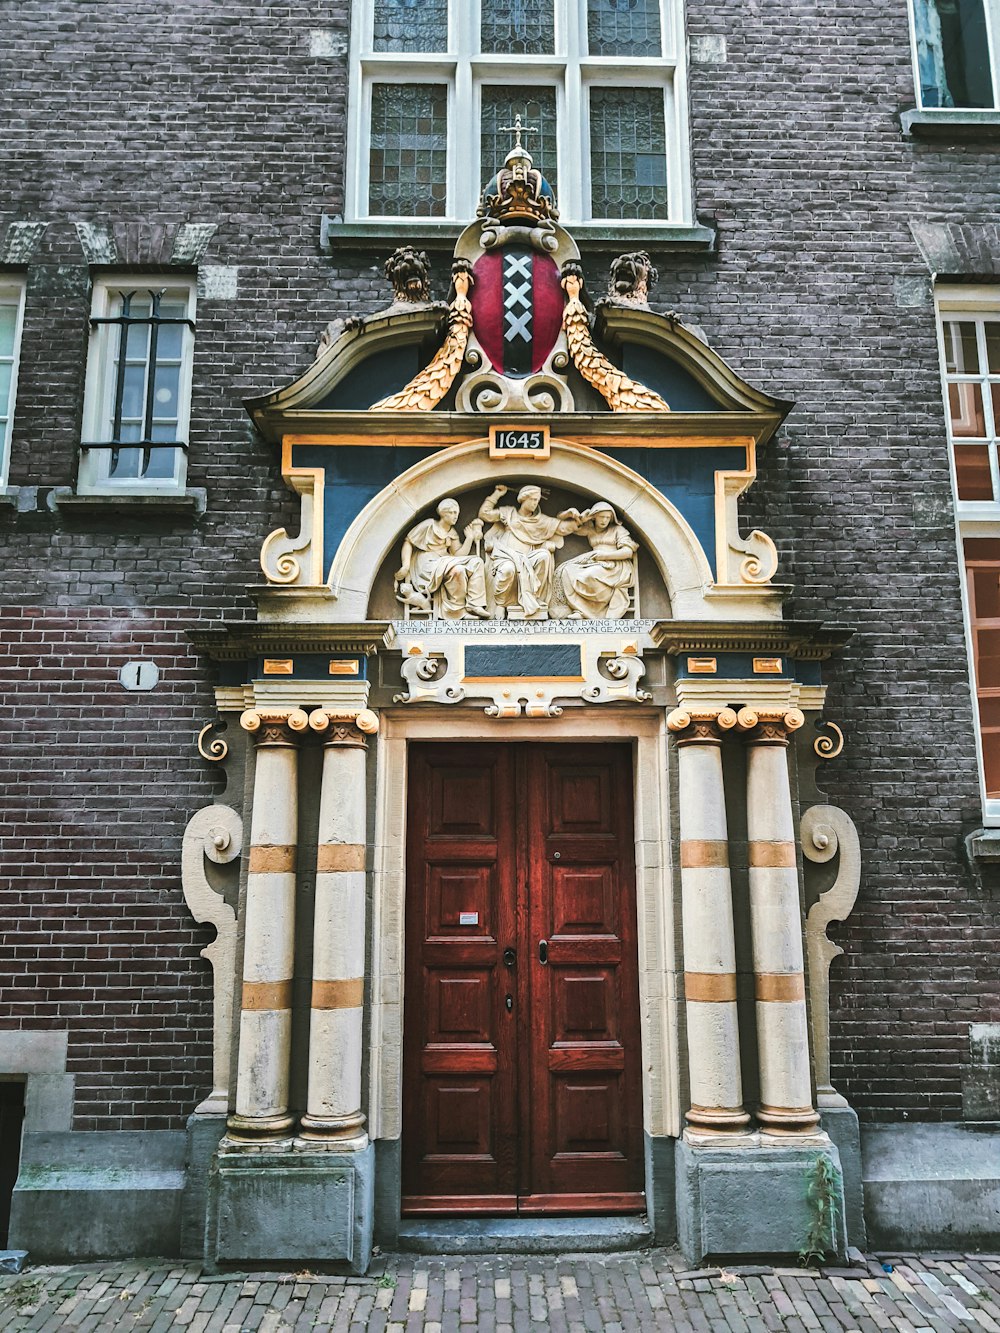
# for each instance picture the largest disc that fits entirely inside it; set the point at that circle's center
(657, 941)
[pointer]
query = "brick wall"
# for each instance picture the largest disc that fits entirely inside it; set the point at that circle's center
(137, 117)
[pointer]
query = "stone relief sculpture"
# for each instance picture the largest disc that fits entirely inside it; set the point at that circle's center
(508, 570)
(437, 573)
(520, 547)
(598, 584)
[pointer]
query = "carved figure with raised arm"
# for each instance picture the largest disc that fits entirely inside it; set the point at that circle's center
(595, 585)
(519, 549)
(438, 572)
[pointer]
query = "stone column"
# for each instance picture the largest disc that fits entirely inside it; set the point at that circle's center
(776, 927)
(262, 1113)
(709, 940)
(333, 1118)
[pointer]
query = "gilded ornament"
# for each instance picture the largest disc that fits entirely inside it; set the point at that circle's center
(214, 751)
(426, 389)
(828, 747)
(621, 393)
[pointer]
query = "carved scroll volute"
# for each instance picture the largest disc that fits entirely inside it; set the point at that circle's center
(216, 832)
(827, 831)
(288, 560)
(740, 560)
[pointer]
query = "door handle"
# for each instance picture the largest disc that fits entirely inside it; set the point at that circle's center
(509, 1002)
(509, 957)
(543, 951)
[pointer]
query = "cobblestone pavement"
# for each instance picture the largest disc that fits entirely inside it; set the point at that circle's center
(654, 1289)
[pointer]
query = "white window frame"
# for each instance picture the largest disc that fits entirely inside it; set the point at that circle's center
(12, 292)
(571, 70)
(992, 10)
(973, 518)
(94, 477)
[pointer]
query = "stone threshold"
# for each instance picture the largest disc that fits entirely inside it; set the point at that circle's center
(524, 1235)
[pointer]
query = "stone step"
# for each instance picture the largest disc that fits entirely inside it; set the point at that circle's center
(524, 1235)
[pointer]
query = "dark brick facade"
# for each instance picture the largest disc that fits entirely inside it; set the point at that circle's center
(139, 117)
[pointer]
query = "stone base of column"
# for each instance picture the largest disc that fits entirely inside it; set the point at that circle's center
(334, 1133)
(788, 1119)
(298, 1209)
(265, 1131)
(735, 1202)
(721, 1119)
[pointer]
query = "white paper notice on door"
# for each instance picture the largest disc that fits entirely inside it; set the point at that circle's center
(468, 918)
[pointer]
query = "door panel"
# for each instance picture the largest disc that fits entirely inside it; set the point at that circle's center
(521, 1077)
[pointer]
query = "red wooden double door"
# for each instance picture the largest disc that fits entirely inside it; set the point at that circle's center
(521, 1068)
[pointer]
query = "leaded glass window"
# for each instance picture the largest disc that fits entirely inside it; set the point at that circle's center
(537, 107)
(628, 153)
(953, 52)
(11, 302)
(517, 27)
(138, 385)
(410, 25)
(624, 27)
(408, 173)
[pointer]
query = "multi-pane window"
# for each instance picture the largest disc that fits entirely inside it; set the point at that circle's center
(956, 45)
(437, 83)
(138, 385)
(969, 331)
(11, 313)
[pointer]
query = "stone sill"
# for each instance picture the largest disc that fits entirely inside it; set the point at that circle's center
(951, 124)
(335, 234)
(191, 502)
(984, 845)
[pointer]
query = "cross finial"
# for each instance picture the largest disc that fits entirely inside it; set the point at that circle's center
(517, 129)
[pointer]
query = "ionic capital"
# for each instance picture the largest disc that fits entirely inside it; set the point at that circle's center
(275, 726)
(769, 726)
(344, 728)
(701, 726)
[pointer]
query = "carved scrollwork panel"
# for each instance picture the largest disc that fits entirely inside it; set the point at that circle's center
(826, 832)
(215, 834)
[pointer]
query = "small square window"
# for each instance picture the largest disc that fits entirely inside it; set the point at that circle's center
(11, 317)
(138, 394)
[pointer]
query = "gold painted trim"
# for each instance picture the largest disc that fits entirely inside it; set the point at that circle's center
(702, 666)
(710, 987)
(333, 856)
(772, 855)
(340, 666)
(259, 995)
(272, 860)
(701, 853)
(779, 987)
(623, 439)
(278, 666)
(338, 994)
(767, 666)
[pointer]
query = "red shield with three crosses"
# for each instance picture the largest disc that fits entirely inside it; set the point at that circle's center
(517, 306)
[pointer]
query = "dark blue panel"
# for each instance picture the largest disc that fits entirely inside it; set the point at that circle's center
(533, 660)
(687, 478)
(739, 666)
(353, 477)
(384, 373)
(671, 381)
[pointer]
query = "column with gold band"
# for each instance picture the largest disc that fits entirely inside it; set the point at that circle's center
(776, 926)
(707, 913)
(262, 1113)
(333, 1116)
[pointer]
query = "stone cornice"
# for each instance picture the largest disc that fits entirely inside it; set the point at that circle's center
(809, 641)
(238, 640)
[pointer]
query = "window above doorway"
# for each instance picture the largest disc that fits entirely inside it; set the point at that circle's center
(956, 55)
(138, 392)
(435, 83)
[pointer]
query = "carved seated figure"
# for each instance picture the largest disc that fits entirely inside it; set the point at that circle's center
(438, 575)
(519, 548)
(595, 585)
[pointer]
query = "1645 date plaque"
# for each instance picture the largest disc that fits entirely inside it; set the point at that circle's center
(520, 442)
